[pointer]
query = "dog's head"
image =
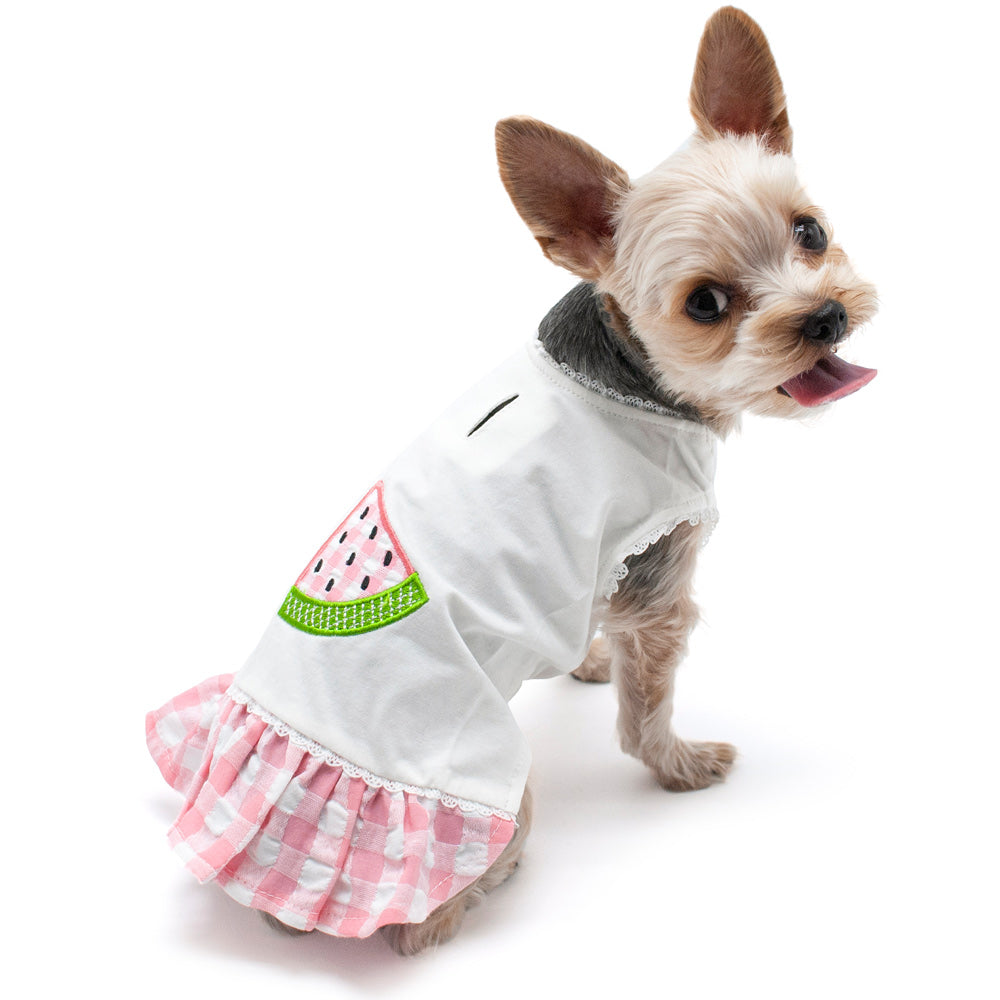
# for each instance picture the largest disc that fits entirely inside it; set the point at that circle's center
(726, 271)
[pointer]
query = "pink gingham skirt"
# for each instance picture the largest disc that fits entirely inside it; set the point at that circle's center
(281, 829)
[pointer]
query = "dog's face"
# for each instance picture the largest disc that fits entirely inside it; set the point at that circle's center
(731, 279)
(727, 272)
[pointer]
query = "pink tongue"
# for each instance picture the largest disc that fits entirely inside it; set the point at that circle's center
(826, 381)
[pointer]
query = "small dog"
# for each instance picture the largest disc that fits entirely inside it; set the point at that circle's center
(386, 790)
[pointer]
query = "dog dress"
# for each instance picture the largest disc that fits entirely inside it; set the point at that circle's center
(364, 766)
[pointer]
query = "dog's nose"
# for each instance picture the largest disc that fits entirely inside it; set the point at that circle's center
(827, 325)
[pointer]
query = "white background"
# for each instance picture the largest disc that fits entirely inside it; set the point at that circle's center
(248, 249)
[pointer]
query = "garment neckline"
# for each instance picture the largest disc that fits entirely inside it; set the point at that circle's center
(602, 393)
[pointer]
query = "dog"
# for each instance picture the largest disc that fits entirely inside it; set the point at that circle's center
(362, 771)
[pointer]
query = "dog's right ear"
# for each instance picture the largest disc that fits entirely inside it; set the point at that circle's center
(565, 191)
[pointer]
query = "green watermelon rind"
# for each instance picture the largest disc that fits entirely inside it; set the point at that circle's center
(353, 617)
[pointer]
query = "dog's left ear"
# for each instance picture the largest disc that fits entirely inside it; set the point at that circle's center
(565, 191)
(736, 86)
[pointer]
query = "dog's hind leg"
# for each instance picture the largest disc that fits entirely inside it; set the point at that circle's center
(596, 667)
(445, 922)
(647, 626)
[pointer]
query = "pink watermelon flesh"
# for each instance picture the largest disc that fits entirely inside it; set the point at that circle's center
(361, 558)
(831, 378)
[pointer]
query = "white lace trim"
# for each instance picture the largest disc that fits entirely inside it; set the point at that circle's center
(602, 390)
(372, 780)
(709, 517)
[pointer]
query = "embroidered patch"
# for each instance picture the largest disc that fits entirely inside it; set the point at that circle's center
(360, 580)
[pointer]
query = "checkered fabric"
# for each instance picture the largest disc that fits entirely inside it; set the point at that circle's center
(361, 558)
(284, 831)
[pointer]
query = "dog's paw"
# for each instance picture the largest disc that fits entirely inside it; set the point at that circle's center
(275, 924)
(411, 939)
(696, 765)
(596, 668)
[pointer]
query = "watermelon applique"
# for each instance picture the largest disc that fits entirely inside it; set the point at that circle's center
(359, 580)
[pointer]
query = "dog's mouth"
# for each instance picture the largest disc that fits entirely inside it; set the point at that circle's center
(829, 379)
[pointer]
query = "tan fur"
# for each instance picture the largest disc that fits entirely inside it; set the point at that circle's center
(596, 667)
(647, 626)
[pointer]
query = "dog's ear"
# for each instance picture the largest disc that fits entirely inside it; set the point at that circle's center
(736, 86)
(565, 191)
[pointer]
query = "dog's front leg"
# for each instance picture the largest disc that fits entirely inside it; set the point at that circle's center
(647, 627)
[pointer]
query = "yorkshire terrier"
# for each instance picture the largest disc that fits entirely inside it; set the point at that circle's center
(710, 287)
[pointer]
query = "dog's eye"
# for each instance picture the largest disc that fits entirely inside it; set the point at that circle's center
(707, 304)
(809, 234)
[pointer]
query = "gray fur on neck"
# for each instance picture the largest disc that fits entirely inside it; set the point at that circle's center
(578, 332)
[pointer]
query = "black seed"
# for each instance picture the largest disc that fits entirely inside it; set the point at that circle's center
(387, 559)
(365, 582)
(374, 532)
(319, 566)
(342, 537)
(350, 558)
(329, 585)
(364, 513)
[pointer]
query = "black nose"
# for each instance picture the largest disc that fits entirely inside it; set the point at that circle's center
(827, 325)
